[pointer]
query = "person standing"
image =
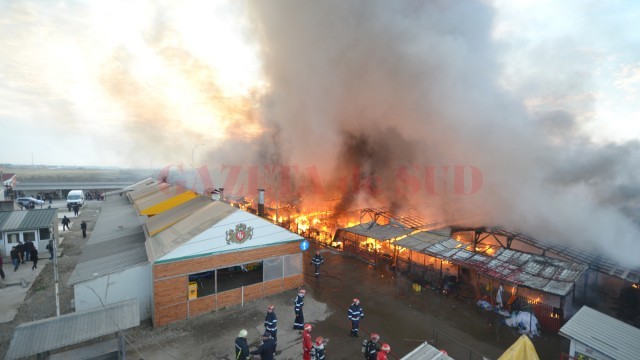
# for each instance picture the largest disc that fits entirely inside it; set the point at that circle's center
(306, 342)
(34, 258)
(65, 223)
(384, 351)
(318, 350)
(83, 226)
(15, 258)
(76, 209)
(371, 347)
(28, 248)
(242, 348)
(20, 248)
(354, 314)
(50, 248)
(317, 260)
(271, 323)
(499, 300)
(298, 323)
(1, 271)
(267, 348)
(69, 206)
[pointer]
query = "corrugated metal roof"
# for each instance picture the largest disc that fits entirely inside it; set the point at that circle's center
(54, 333)
(116, 243)
(426, 352)
(27, 219)
(132, 187)
(538, 272)
(165, 219)
(23, 186)
(607, 335)
(379, 232)
(146, 190)
(420, 241)
(207, 231)
(596, 260)
(163, 200)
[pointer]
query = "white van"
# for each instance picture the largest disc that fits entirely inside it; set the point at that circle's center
(75, 197)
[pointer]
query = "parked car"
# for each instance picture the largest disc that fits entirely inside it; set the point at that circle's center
(26, 201)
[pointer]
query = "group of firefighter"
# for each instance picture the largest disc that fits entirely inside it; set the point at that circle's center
(372, 348)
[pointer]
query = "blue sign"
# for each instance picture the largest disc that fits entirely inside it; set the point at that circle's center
(304, 245)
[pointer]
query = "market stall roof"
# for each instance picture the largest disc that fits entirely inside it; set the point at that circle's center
(157, 223)
(116, 242)
(379, 232)
(146, 190)
(163, 200)
(426, 352)
(27, 219)
(54, 333)
(538, 272)
(607, 335)
(422, 240)
(140, 184)
(596, 260)
(215, 229)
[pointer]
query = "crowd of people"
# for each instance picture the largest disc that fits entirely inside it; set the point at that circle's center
(23, 252)
(372, 348)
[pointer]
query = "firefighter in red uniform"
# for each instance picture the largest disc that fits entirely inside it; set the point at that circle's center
(384, 350)
(306, 342)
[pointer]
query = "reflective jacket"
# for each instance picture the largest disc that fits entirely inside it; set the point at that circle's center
(355, 312)
(298, 303)
(317, 351)
(317, 259)
(242, 349)
(271, 322)
(266, 349)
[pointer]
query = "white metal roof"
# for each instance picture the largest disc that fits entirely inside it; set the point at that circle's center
(603, 333)
(426, 352)
(379, 232)
(205, 233)
(53, 333)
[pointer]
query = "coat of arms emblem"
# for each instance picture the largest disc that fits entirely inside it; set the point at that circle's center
(240, 234)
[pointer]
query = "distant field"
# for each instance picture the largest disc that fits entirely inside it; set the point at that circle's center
(43, 174)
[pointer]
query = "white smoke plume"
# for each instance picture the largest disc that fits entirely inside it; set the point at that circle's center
(379, 85)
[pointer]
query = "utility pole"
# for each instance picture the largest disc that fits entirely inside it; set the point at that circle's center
(56, 278)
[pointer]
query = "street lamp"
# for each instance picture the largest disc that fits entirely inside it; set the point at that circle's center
(193, 165)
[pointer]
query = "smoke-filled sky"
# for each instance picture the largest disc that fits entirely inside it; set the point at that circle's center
(538, 97)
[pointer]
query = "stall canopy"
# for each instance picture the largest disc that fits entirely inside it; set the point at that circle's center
(163, 200)
(212, 230)
(522, 349)
(138, 194)
(157, 223)
(379, 232)
(532, 271)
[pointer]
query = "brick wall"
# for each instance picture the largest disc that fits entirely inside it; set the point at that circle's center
(170, 284)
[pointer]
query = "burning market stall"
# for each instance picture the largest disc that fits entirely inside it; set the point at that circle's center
(542, 283)
(606, 284)
(371, 241)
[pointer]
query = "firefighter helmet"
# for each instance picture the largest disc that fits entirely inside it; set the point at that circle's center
(375, 337)
(308, 327)
(319, 340)
(386, 348)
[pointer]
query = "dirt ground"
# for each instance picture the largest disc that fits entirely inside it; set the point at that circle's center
(403, 317)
